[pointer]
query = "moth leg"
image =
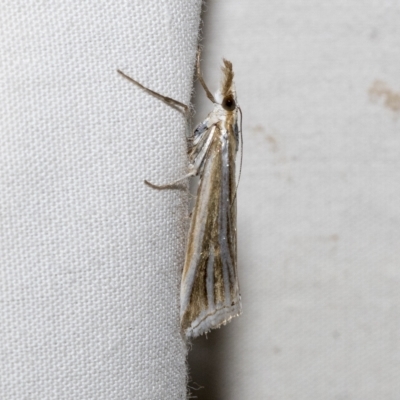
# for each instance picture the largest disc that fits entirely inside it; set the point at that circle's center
(200, 78)
(177, 105)
(172, 184)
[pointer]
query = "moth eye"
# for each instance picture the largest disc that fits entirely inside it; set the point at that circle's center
(229, 103)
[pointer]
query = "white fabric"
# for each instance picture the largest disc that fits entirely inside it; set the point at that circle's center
(90, 256)
(318, 203)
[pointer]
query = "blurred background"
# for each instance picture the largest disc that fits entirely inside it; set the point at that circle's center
(318, 202)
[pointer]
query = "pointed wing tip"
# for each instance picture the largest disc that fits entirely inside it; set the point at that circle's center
(212, 321)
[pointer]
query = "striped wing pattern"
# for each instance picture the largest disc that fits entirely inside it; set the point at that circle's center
(209, 289)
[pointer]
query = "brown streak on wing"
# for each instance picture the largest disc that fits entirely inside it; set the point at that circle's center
(198, 298)
(219, 290)
(211, 239)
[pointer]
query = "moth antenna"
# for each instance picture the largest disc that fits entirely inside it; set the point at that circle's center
(241, 155)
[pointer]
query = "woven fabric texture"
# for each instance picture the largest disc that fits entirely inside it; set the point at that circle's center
(90, 256)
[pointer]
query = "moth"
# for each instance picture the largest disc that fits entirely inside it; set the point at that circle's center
(210, 295)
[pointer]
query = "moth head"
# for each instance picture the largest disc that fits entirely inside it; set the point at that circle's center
(227, 91)
(229, 103)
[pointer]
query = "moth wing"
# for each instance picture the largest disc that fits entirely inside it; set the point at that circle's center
(209, 289)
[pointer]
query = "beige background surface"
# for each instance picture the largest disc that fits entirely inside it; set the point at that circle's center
(319, 212)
